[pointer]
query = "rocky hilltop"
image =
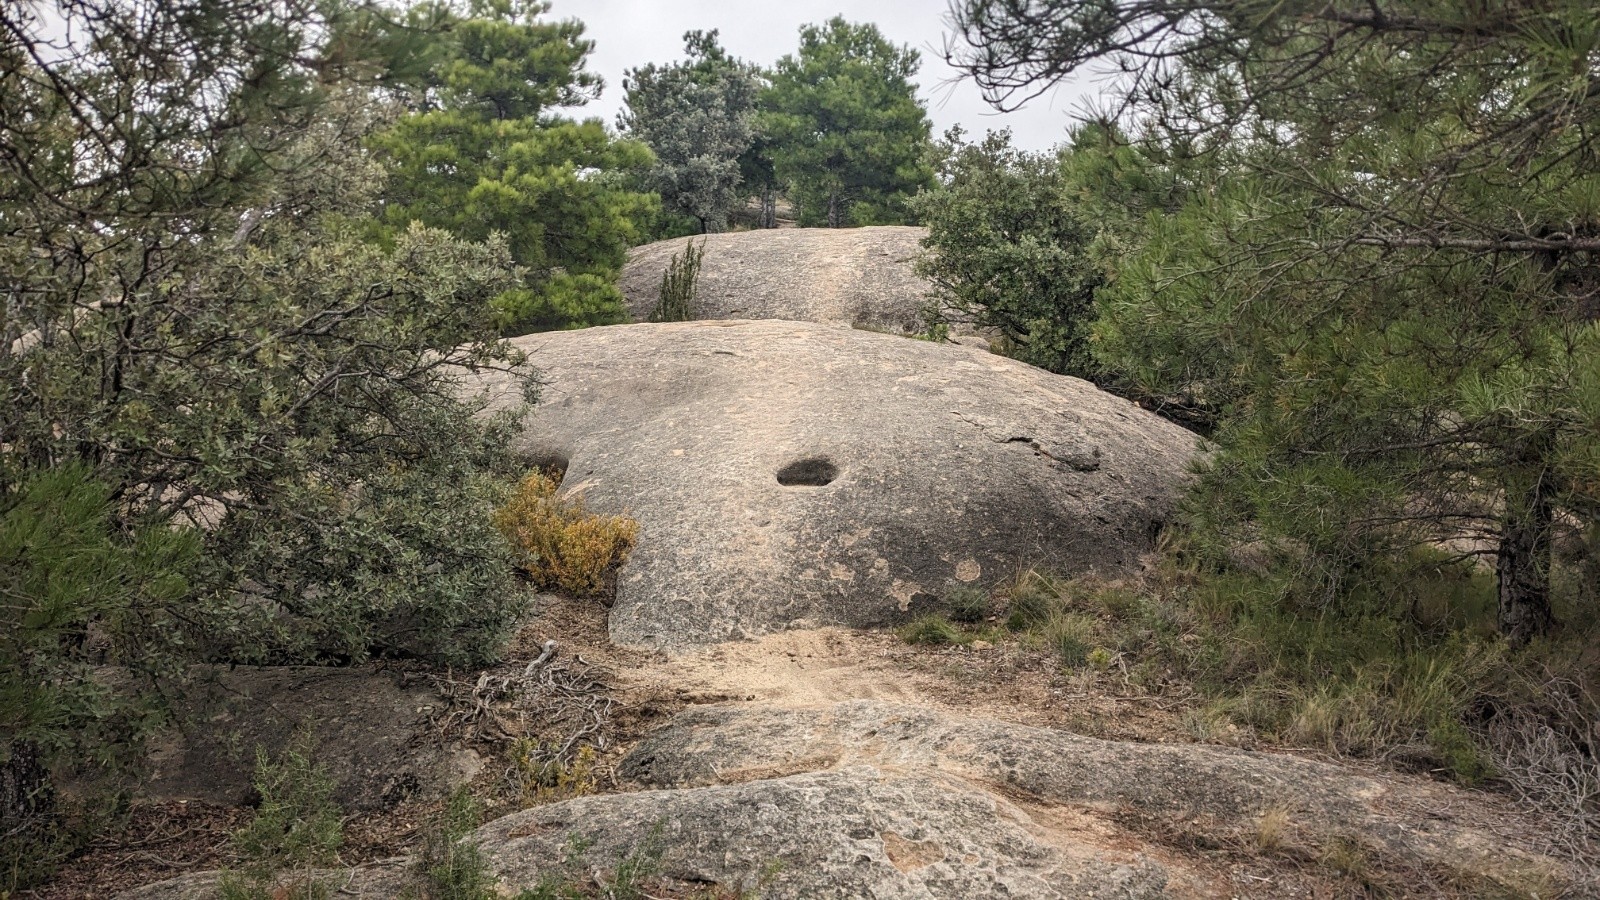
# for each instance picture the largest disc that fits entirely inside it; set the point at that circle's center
(751, 732)
(862, 277)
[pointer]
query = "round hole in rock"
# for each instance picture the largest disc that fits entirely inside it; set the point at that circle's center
(813, 471)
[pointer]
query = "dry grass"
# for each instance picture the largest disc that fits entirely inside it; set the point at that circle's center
(544, 775)
(1273, 830)
(1548, 754)
(1424, 687)
(563, 545)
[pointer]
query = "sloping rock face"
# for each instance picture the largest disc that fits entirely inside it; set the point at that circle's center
(860, 832)
(837, 276)
(787, 472)
(370, 731)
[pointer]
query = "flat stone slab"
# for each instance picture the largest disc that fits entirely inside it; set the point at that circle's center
(856, 833)
(840, 276)
(859, 832)
(788, 473)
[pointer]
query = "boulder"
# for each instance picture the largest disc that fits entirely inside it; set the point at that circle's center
(369, 730)
(860, 832)
(786, 472)
(838, 276)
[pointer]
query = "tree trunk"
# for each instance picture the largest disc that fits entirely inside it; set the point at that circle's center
(834, 216)
(769, 208)
(27, 800)
(1522, 565)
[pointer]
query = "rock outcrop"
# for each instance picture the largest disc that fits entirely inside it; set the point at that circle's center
(1218, 792)
(871, 799)
(370, 731)
(786, 472)
(837, 276)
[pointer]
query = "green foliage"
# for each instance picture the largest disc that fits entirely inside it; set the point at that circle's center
(482, 154)
(1381, 273)
(933, 630)
(1008, 249)
(967, 605)
(64, 572)
(451, 867)
(698, 116)
(846, 130)
(1071, 637)
(1411, 674)
(267, 374)
(296, 829)
(678, 286)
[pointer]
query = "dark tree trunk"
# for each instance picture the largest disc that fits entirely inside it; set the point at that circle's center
(835, 214)
(27, 800)
(769, 208)
(1522, 565)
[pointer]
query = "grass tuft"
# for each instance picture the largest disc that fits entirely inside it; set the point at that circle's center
(679, 285)
(968, 605)
(932, 630)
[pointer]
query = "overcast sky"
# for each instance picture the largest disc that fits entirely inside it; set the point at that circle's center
(629, 33)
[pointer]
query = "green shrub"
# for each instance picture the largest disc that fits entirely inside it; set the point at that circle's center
(296, 829)
(1009, 252)
(449, 866)
(679, 285)
(562, 544)
(1406, 667)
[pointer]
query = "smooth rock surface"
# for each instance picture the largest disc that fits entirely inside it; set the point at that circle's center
(788, 472)
(884, 800)
(851, 834)
(1218, 791)
(370, 731)
(837, 276)
(860, 832)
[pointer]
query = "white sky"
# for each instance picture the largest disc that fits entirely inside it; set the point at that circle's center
(629, 33)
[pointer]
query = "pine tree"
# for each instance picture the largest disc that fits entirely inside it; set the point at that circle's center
(848, 134)
(1385, 275)
(484, 153)
(698, 117)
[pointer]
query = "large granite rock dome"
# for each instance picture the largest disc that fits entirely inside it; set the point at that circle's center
(838, 276)
(787, 472)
